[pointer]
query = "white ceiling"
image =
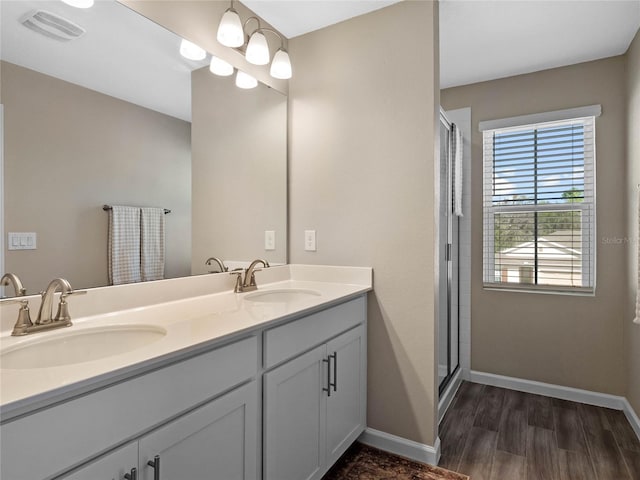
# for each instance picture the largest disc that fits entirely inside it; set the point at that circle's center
(297, 17)
(122, 54)
(127, 56)
(483, 40)
(487, 39)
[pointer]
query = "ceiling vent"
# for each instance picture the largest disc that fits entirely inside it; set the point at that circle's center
(52, 25)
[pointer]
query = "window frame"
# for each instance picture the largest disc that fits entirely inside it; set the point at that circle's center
(587, 207)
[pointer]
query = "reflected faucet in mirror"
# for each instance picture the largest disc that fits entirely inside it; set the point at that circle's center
(191, 129)
(12, 278)
(221, 265)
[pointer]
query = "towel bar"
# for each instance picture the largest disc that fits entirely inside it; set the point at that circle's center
(109, 207)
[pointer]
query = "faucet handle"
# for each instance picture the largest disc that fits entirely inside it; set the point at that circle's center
(75, 292)
(24, 318)
(63, 307)
(238, 273)
(7, 301)
(252, 279)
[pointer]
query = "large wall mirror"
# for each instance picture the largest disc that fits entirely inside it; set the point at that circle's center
(118, 117)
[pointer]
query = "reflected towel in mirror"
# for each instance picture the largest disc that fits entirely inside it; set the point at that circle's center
(152, 243)
(457, 171)
(124, 245)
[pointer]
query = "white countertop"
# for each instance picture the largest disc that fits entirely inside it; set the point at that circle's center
(192, 324)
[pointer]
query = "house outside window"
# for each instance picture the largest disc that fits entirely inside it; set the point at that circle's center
(539, 201)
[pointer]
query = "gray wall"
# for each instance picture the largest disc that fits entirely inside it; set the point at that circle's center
(363, 152)
(632, 332)
(68, 151)
(239, 166)
(575, 341)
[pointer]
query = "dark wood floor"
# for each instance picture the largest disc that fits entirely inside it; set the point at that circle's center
(491, 433)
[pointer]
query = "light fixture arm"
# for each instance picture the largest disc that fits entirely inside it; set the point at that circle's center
(271, 30)
(244, 26)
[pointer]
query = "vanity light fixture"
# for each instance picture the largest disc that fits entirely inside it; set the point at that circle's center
(257, 49)
(231, 33)
(220, 67)
(281, 65)
(246, 81)
(192, 51)
(79, 3)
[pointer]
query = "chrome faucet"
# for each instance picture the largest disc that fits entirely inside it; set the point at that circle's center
(249, 276)
(45, 315)
(12, 278)
(249, 282)
(220, 263)
(46, 320)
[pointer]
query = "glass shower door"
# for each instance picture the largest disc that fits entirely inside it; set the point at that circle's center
(448, 321)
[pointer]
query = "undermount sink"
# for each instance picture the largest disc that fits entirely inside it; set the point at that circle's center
(79, 346)
(283, 295)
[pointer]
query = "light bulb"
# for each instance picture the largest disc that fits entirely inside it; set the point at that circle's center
(257, 49)
(192, 51)
(230, 33)
(246, 81)
(79, 3)
(281, 65)
(220, 67)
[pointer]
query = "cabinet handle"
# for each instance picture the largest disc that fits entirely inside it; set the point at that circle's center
(335, 371)
(155, 464)
(131, 476)
(329, 384)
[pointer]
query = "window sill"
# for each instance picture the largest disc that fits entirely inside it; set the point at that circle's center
(574, 292)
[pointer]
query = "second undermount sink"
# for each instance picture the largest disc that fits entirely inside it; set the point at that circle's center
(282, 295)
(79, 346)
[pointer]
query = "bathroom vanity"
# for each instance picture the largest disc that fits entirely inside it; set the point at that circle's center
(269, 384)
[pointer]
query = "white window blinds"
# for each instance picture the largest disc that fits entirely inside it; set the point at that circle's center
(539, 206)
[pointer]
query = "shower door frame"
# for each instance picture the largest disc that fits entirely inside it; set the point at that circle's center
(452, 259)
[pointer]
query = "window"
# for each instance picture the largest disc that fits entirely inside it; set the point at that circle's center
(539, 202)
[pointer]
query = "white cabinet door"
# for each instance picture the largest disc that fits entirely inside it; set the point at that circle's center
(217, 441)
(112, 466)
(294, 418)
(347, 403)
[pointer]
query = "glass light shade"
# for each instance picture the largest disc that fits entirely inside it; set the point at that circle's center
(246, 81)
(79, 3)
(192, 51)
(220, 67)
(257, 49)
(281, 65)
(230, 33)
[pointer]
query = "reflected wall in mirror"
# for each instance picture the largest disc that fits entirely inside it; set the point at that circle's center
(107, 119)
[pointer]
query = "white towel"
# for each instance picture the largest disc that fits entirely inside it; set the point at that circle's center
(457, 171)
(637, 319)
(124, 245)
(152, 243)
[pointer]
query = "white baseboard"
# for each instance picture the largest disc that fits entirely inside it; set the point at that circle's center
(558, 391)
(632, 416)
(401, 446)
(447, 396)
(549, 390)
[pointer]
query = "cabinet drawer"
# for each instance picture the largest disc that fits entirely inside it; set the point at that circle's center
(290, 339)
(67, 434)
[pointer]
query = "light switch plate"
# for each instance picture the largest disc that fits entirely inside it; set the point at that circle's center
(310, 240)
(22, 241)
(269, 240)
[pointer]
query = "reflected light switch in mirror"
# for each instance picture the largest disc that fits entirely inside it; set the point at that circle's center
(269, 240)
(22, 241)
(310, 240)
